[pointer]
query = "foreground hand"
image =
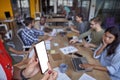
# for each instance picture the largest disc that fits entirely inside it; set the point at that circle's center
(73, 41)
(53, 75)
(50, 74)
(104, 43)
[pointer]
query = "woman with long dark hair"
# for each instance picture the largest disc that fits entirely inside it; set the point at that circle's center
(108, 54)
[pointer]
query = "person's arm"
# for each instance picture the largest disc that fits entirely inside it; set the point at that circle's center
(97, 67)
(88, 45)
(85, 34)
(31, 69)
(100, 50)
(92, 45)
(74, 30)
(17, 52)
(93, 66)
(38, 32)
(28, 36)
(112, 68)
(103, 46)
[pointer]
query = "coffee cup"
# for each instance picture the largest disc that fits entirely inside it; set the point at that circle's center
(63, 67)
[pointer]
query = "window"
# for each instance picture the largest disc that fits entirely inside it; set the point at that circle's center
(24, 3)
(51, 2)
(20, 8)
(62, 2)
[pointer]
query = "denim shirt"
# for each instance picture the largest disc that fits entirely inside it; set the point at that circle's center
(112, 62)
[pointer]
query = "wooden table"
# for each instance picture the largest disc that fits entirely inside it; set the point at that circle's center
(57, 20)
(63, 41)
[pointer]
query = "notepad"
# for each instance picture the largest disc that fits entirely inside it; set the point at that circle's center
(61, 76)
(52, 51)
(86, 77)
(68, 49)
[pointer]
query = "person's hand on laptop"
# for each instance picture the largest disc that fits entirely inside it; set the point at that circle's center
(86, 66)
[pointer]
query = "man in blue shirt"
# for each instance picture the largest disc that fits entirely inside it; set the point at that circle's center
(29, 34)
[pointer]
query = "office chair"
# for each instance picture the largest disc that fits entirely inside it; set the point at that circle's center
(25, 48)
(4, 30)
(3, 27)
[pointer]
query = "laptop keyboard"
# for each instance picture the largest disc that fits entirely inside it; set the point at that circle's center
(76, 62)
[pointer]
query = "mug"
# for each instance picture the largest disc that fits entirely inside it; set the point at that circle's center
(63, 67)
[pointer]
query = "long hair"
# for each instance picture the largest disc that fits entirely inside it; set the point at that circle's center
(112, 47)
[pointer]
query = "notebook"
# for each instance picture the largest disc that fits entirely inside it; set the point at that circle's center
(77, 61)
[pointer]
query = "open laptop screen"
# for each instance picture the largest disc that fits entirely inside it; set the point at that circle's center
(42, 56)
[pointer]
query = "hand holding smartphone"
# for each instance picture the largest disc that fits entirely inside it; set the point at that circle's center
(42, 56)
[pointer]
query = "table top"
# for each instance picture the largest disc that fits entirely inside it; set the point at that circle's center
(58, 57)
(8, 20)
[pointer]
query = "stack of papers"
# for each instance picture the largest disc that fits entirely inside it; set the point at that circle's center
(61, 76)
(68, 49)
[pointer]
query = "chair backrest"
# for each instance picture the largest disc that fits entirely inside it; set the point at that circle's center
(19, 32)
(3, 27)
(9, 35)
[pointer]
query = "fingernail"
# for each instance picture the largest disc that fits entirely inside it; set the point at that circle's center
(49, 72)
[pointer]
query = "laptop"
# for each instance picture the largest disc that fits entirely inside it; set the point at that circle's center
(77, 61)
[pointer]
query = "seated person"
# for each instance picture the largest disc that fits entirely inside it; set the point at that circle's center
(67, 10)
(61, 10)
(31, 69)
(10, 47)
(95, 33)
(108, 53)
(31, 35)
(40, 25)
(79, 26)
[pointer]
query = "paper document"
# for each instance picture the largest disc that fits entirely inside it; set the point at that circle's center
(59, 30)
(61, 76)
(31, 53)
(48, 44)
(68, 49)
(53, 33)
(86, 77)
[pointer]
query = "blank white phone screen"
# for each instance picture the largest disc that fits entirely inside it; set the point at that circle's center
(42, 56)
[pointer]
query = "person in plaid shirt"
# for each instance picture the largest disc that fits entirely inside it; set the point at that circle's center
(29, 34)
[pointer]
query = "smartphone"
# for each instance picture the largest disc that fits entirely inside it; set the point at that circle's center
(42, 56)
(77, 54)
